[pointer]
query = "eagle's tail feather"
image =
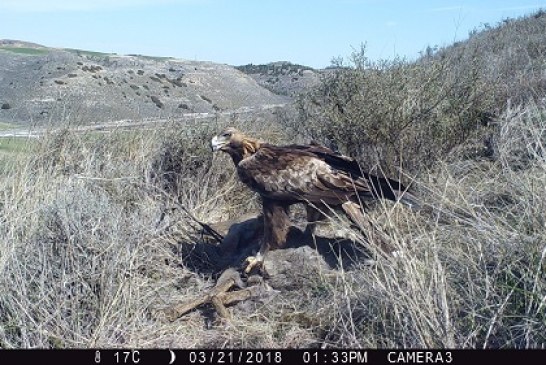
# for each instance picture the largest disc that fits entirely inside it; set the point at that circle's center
(393, 190)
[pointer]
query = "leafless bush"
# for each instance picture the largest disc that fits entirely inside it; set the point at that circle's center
(408, 115)
(395, 114)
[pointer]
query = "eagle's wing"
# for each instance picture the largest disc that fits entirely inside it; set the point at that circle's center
(302, 174)
(381, 187)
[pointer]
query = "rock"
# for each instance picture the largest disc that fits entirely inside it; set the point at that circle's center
(156, 101)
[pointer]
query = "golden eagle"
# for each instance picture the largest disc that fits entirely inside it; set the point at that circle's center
(309, 174)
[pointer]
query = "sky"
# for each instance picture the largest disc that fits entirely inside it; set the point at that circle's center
(237, 32)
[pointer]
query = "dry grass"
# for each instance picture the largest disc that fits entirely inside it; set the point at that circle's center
(83, 257)
(91, 249)
(90, 235)
(473, 283)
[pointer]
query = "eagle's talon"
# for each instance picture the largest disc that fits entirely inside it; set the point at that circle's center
(252, 262)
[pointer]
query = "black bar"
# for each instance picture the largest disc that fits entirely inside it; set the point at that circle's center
(270, 357)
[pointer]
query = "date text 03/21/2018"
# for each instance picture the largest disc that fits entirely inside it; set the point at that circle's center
(277, 357)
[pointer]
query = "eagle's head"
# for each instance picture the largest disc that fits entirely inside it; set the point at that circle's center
(229, 138)
(235, 143)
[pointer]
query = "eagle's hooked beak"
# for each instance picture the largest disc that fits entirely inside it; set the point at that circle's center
(221, 140)
(216, 144)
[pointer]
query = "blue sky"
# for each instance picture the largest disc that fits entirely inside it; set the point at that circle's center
(310, 32)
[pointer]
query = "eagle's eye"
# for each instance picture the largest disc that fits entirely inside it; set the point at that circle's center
(226, 134)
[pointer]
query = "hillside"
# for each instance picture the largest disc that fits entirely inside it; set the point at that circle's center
(510, 56)
(283, 78)
(39, 84)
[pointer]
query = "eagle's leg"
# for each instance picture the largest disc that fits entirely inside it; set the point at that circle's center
(276, 226)
(314, 215)
(355, 213)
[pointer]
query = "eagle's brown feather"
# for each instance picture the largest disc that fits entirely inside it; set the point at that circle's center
(295, 174)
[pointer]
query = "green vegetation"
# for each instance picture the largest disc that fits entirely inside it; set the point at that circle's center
(274, 69)
(5, 126)
(26, 50)
(16, 145)
(90, 54)
(11, 150)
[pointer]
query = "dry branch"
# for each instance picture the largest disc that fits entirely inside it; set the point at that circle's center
(219, 296)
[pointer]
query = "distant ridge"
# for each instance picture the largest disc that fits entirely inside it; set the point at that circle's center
(283, 77)
(17, 43)
(41, 84)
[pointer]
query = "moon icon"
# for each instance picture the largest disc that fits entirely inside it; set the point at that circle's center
(173, 357)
